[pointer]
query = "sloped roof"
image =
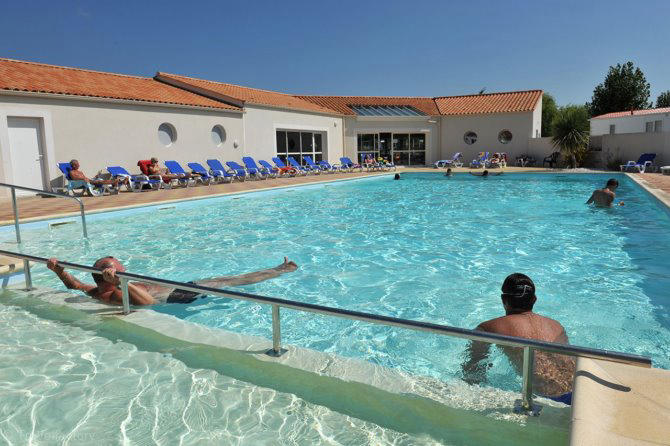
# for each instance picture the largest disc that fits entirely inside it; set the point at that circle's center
(18, 75)
(342, 104)
(241, 95)
(508, 102)
(649, 111)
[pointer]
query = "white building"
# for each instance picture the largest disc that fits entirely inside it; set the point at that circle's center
(51, 114)
(624, 136)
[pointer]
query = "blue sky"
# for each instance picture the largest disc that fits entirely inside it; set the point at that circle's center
(412, 48)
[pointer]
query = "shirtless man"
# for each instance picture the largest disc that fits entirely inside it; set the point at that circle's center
(553, 373)
(107, 288)
(605, 197)
(76, 174)
(155, 169)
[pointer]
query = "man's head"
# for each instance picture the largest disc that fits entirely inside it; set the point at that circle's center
(612, 184)
(485, 173)
(154, 160)
(396, 176)
(74, 164)
(518, 293)
(104, 263)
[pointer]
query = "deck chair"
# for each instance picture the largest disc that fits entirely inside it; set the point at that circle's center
(239, 170)
(204, 175)
(286, 169)
(295, 164)
(69, 186)
(137, 182)
(217, 170)
(643, 162)
(166, 183)
(330, 167)
(370, 163)
(480, 161)
(346, 163)
(455, 160)
(185, 179)
(273, 172)
(551, 159)
(312, 165)
(253, 168)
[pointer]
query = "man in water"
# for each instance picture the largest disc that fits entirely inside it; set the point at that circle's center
(553, 373)
(485, 174)
(396, 176)
(448, 174)
(107, 289)
(605, 197)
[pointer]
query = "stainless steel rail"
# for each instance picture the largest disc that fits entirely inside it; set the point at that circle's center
(529, 346)
(13, 187)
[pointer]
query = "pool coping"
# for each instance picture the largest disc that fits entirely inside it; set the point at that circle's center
(662, 196)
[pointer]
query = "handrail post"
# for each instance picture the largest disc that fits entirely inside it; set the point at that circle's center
(26, 274)
(276, 349)
(125, 298)
(16, 216)
(527, 383)
(83, 218)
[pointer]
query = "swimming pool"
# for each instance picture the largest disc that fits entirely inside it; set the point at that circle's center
(427, 248)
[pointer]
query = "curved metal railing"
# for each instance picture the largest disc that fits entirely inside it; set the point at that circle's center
(13, 187)
(529, 346)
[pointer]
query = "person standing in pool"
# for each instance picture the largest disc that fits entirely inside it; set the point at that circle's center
(553, 373)
(605, 197)
(107, 289)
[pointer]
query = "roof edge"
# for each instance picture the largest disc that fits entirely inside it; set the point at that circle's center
(167, 79)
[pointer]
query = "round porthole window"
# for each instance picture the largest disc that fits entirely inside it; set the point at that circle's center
(167, 134)
(470, 138)
(505, 136)
(218, 135)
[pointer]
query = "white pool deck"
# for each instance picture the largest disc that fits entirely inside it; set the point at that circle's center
(613, 404)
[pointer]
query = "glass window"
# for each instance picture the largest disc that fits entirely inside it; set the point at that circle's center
(167, 134)
(417, 141)
(658, 126)
(384, 144)
(317, 143)
(400, 142)
(470, 138)
(649, 127)
(281, 142)
(401, 158)
(417, 158)
(218, 135)
(505, 136)
(293, 142)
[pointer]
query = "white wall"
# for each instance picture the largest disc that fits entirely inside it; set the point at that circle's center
(629, 147)
(261, 124)
(100, 134)
(356, 125)
(487, 126)
(628, 124)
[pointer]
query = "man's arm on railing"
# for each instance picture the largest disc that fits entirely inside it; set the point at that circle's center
(68, 280)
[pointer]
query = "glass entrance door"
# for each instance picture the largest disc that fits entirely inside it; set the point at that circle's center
(404, 149)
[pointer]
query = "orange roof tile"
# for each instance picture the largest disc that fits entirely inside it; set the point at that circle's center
(649, 111)
(18, 75)
(342, 103)
(514, 101)
(242, 95)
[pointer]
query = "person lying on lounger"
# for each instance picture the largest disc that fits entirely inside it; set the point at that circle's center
(155, 169)
(76, 174)
(553, 372)
(605, 197)
(107, 289)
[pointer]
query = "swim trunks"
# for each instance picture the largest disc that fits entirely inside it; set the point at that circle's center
(565, 398)
(183, 296)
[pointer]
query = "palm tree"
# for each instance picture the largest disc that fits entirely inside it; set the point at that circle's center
(571, 130)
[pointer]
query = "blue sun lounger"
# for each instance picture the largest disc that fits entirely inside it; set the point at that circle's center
(330, 167)
(69, 185)
(283, 168)
(312, 165)
(184, 178)
(206, 176)
(137, 182)
(273, 172)
(296, 165)
(346, 163)
(645, 160)
(217, 170)
(239, 170)
(253, 168)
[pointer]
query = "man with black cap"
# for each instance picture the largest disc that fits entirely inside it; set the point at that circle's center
(553, 373)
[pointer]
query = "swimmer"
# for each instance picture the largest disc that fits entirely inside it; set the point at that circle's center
(448, 174)
(396, 176)
(605, 197)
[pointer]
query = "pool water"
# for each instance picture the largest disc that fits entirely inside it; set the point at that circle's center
(426, 248)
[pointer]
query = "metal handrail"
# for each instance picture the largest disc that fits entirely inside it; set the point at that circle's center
(529, 345)
(13, 187)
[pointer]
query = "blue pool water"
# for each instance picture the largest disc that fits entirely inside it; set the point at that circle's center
(426, 248)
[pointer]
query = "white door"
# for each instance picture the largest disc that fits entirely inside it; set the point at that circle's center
(25, 148)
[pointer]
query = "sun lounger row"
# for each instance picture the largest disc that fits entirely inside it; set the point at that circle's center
(216, 172)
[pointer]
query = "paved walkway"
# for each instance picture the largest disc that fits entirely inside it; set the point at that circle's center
(35, 208)
(655, 180)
